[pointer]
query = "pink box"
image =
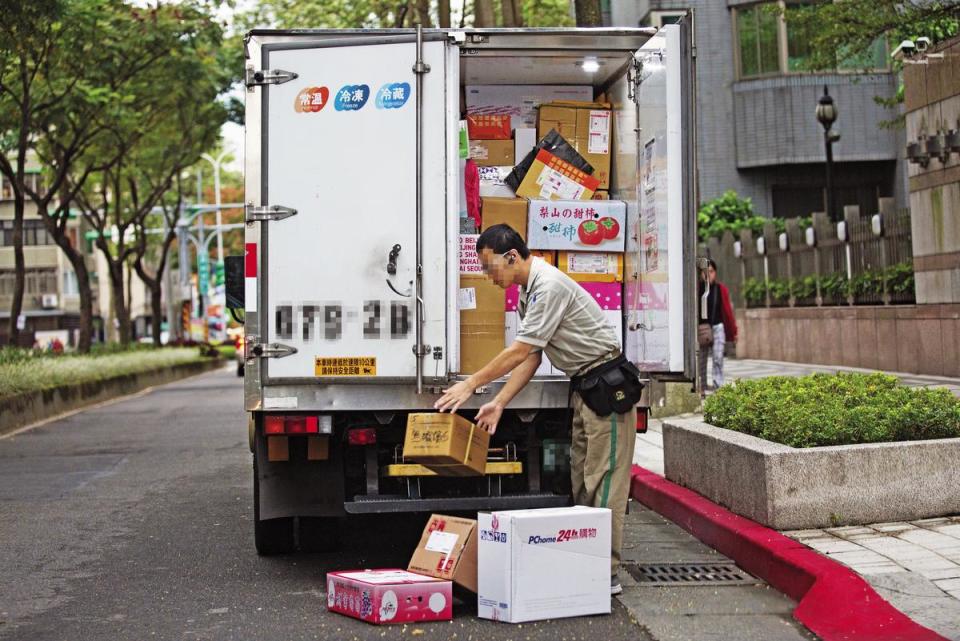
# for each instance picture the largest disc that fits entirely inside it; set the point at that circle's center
(512, 298)
(389, 596)
(609, 295)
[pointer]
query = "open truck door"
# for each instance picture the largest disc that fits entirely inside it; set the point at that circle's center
(661, 288)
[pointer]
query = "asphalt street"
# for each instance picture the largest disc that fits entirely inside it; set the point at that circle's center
(133, 521)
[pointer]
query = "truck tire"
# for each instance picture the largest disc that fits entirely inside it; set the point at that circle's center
(319, 534)
(270, 536)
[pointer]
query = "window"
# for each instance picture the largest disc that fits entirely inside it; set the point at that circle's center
(70, 285)
(659, 18)
(32, 180)
(36, 282)
(767, 44)
(34, 233)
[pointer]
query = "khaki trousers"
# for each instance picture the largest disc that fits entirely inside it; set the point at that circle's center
(601, 455)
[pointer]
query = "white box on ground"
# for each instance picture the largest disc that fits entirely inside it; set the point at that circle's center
(543, 564)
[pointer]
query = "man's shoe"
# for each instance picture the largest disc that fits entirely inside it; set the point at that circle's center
(615, 587)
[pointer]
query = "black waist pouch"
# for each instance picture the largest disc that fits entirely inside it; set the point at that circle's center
(611, 388)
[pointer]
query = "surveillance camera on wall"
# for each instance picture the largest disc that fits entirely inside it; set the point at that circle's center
(906, 49)
(923, 43)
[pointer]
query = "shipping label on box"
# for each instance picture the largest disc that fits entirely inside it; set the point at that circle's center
(543, 564)
(594, 226)
(598, 132)
(389, 596)
(552, 178)
(448, 550)
(469, 261)
(591, 266)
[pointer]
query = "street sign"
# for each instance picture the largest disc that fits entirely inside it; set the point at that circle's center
(203, 269)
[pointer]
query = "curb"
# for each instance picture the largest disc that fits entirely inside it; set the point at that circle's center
(25, 410)
(834, 602)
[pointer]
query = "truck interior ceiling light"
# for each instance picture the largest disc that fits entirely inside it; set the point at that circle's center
(590, 65)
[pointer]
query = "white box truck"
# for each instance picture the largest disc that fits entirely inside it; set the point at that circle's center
(350, 297)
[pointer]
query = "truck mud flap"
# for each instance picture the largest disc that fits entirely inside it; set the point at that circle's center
(380, 504)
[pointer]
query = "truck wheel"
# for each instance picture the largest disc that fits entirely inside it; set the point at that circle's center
(319, 534)
(271, 536)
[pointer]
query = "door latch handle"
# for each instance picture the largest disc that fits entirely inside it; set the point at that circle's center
(392, 260)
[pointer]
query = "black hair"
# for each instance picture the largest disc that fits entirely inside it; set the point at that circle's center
(502, 238)
(712, 263)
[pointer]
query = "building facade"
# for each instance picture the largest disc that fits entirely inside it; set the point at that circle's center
(757, 130)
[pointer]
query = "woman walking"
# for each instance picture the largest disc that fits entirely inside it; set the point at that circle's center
(716, 325)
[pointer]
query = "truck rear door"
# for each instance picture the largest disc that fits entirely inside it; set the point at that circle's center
(661, 293)
(339, 146)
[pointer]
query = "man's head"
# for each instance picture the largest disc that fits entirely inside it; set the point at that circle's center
(503, 255)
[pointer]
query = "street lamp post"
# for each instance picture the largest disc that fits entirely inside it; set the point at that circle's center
(827, 115)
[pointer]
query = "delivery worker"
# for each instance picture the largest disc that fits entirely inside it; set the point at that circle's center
(560, 318)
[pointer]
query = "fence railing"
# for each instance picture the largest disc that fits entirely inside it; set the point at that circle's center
(863, 261)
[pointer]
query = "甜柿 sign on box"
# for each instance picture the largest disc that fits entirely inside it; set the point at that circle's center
(575, 225)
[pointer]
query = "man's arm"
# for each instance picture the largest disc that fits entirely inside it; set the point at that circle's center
(504, 362)
(489, 414)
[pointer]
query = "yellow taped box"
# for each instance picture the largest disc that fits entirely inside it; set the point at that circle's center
(589, 267)
(482, 324)
(587, 127)
(448, 444)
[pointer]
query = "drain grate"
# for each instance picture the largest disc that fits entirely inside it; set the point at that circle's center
(689, 574)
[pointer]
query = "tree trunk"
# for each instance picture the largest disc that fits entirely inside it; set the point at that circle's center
(83, 284)
(423, 13)
(588, 13)
(443, 9)
(19, 263)
(517, 13)
(483, 14)
(506, 12)
(120, 310)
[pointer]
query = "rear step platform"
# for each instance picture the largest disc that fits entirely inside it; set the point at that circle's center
(385, 503)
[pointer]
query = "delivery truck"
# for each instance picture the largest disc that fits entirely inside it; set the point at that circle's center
(360, 298)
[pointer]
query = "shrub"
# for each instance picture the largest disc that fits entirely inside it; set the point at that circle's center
(834, 409)
(754, 292)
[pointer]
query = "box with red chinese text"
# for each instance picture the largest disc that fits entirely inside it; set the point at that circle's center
(543, 564)
(389, 596)
(574, 225)
(553, 178)
(488, 127)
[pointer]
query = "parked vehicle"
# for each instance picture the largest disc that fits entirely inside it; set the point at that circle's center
(351, 272)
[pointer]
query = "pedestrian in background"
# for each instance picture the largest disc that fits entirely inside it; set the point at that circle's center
(716, 325)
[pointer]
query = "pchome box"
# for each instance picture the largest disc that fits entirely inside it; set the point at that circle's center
(543, 564)
(389, 596)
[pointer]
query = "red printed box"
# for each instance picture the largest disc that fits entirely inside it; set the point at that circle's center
(389, 596)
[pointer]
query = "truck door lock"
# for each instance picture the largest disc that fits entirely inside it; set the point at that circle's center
(392, 260)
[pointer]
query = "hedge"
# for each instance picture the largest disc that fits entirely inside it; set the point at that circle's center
(834, 409)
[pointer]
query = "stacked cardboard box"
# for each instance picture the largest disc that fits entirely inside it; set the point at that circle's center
(586, 126)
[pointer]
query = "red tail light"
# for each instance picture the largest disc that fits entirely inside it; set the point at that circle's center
(290, 424)
(362, 436)
(642, 414)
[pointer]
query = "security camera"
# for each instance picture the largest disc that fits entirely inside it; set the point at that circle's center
(923, 43)
(907, 49)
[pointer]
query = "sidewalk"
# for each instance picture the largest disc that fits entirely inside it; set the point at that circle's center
(914, 566)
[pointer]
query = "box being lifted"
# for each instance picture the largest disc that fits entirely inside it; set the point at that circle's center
(448, 444)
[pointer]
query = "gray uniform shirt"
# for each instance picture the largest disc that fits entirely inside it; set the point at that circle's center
(562, 319)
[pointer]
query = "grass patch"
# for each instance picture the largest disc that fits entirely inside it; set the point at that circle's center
(834, 409)
(27, 371)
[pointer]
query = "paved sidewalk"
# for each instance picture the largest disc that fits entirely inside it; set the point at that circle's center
(915, 566)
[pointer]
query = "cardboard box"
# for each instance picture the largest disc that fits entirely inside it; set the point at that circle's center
(469, 261)
(608, 295)
(586, 126)
(520, 102)
(491, 153)
(524, 140)
(481, 322)
(389, 596)
(488, 126)
(601, 195)
(493, 182)
(552, 178)
(543, 564)
(510, 335)
(563, 225)
(448, 444)
(448, 550)
(508, 211)
(585, 267)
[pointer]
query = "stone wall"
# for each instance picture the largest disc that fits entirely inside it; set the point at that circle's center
(917, 339)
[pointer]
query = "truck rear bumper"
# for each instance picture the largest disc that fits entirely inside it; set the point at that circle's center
(383, 503)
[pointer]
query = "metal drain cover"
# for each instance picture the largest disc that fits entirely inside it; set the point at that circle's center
(689, 574)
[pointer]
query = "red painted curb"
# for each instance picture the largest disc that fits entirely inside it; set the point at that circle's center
(834, 602)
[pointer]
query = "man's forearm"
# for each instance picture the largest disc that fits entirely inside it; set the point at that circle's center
(518, 379)
(504, 362)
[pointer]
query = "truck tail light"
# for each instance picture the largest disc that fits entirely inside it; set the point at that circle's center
(291, 424)
(642, 414)
(362, 436)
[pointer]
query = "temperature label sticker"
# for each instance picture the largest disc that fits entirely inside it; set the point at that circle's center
(345, 366)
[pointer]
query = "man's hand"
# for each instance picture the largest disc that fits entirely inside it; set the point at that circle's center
(489, 415)
(454, 397)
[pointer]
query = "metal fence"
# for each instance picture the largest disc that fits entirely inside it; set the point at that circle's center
(864, 261)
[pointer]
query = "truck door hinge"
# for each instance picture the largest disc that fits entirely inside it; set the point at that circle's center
(268, 350)
(253, 213)
(256, 78)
